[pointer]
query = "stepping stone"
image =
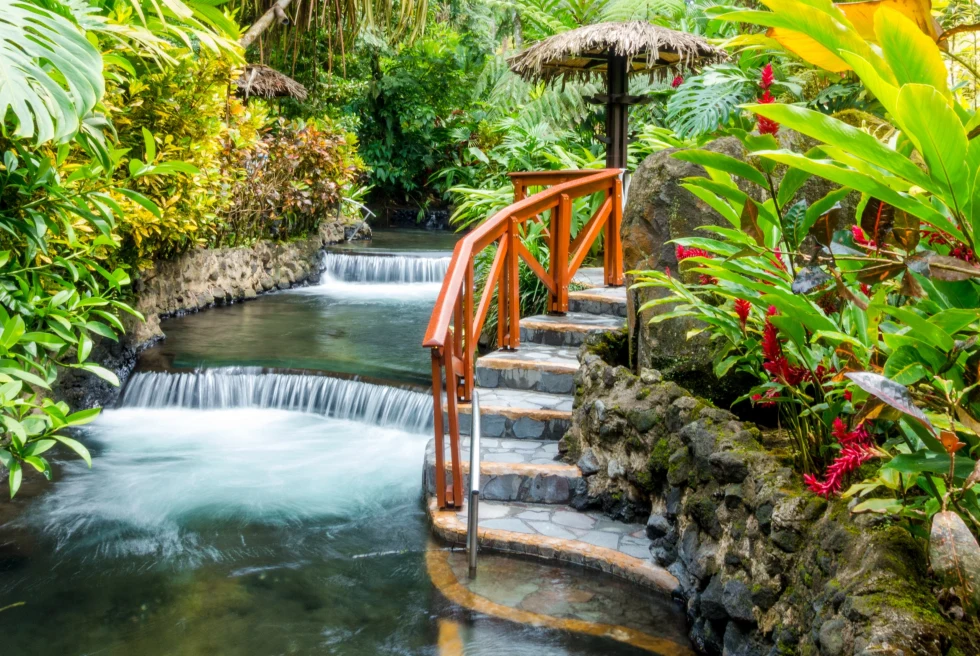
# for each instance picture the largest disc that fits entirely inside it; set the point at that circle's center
(535, 367)
(569, 329)
(590, 277)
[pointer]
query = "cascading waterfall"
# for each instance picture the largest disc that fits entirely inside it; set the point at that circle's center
(363, 268)
(248, 387)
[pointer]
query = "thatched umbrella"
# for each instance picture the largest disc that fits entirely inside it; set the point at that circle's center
(615, 50)
(265, 82)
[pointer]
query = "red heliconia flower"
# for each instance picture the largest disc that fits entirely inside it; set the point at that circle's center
(767, 76)
(866, 289)
(742, 308)
(679, 80)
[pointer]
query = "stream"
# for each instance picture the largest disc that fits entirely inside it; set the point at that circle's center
(257, 492)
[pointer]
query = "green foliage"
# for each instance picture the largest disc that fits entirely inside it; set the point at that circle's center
(867, 339)
(414, 98)
(68, 184)
(290, 179)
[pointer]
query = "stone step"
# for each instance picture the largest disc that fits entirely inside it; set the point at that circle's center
(537, 367)
(511, 470)
(559, 532)
(518, 414)
(589, 277)
(569, 329)
(599, 300)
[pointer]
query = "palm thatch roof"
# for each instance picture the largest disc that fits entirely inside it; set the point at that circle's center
(265, 82)
(583, 52)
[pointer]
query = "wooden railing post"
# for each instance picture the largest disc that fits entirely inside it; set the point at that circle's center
(513, 284)
(559, 254)
(614, 246)
(440, 473)
(470, 340)
(454, 494)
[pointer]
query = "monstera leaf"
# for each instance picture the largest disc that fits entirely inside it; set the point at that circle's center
(50, 75)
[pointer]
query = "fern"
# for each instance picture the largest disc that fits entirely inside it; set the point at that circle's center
(646, 10)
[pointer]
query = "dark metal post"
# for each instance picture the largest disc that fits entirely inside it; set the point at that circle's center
(617, 112)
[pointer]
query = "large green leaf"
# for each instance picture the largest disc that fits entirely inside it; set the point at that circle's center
(912, 55)
(50, 75)
(831, 131)
(938, 135)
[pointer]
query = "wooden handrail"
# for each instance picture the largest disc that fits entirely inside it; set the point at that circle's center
(461, 310)
(489, 231)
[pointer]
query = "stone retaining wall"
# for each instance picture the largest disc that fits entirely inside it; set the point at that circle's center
(764, 566)
(194, 281)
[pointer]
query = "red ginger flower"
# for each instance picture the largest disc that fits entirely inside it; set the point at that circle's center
(767, 76)
(742, 308)
(767, 125)
(851, 457)
(763, 401)
(683, 253)
(866, 289)
(847, 395)
(857, 449)
(679, 80)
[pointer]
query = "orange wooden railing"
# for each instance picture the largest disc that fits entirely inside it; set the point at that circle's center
(458, 318)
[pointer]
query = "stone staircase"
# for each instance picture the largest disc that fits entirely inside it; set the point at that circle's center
(526, 401)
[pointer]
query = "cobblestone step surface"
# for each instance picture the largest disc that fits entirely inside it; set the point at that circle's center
(599, 300)
(560, 533)
(512, 470)
(536, 367)
(569, 329)
(518, 414)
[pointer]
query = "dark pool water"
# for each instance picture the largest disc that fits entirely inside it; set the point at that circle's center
(252, 529)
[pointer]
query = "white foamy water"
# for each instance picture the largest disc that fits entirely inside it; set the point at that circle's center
(365, 268)
(162, 476)
(248, 387)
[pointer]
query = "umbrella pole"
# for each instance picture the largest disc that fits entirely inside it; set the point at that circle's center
(617, 112)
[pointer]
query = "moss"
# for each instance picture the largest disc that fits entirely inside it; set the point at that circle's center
(644, 480)
(642, 393)
(702, 510)
(659, 461)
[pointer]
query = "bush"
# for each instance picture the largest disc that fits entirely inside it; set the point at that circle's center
(288, 181)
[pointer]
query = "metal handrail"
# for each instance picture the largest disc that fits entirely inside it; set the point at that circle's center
(473, 518)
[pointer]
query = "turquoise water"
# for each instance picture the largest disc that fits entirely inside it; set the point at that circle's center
(233, 511)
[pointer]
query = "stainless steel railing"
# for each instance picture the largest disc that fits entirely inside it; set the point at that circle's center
(473, 517)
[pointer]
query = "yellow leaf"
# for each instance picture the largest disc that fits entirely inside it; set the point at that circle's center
(862, 16)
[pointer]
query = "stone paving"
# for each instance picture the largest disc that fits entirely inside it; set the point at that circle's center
(518, 414)
(570, 329)
(567, 523)
(536, 367)
(512, 470)
(599, 300)
(524, 529)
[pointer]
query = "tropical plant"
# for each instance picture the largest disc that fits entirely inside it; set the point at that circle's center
(888, 308)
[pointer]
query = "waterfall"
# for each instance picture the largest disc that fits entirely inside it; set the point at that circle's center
(248, 387)
(383, 268)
